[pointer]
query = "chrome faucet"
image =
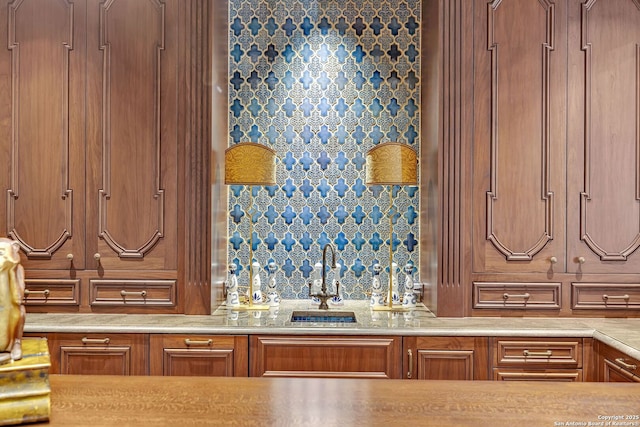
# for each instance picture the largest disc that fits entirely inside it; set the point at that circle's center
(323, 296)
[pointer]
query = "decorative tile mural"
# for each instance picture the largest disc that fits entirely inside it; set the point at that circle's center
(322, 82)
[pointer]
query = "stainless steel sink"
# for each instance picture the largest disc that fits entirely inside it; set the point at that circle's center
(324, 316)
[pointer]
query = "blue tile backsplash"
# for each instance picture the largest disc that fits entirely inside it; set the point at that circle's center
(322, 82)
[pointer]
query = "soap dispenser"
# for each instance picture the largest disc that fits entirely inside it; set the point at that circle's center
(257, 284)
(273, 299)
(395, 295)
(233, 296)
(409, 299)
(377, 296)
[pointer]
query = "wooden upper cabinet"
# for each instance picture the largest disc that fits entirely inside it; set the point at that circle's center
(604, 165)
(519, 131)
(90, 128)
(555, 167)
(43, 80)
(131, 134)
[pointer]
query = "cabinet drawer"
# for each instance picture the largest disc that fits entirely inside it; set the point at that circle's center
(615, 366)
(537, 375)
(199, 355)
(123, 293)
(530, 296)
(541, 353)
(605, 296)
(98, 354)
(52, 292)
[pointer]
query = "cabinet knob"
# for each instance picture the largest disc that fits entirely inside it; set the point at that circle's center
(553, 260)
(96, 256)
(581, 260)
(70, 257)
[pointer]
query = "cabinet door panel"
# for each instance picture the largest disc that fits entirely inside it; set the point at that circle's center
(345, 357)
(132, 139)
(604, 190)
(42, 137)
(446, 358)
(191, 355)
(99, 354)
(518, 171)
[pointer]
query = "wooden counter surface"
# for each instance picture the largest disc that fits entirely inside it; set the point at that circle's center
(180, 401)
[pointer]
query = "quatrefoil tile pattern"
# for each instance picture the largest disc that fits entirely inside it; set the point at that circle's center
(322, 82)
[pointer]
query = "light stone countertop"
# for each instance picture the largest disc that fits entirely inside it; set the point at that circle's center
(620, 333)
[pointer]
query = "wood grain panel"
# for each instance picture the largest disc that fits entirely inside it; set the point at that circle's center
(56, 292)
(520, 128)
(132, 118)
(446, 358)
(132, 39)
(99, 354)
(199, 355)
(94, 401)
(45, 192)
(518, 135)
(605, 296)
(604, 178)
(517, 295)
(612, 115)
(344, 357)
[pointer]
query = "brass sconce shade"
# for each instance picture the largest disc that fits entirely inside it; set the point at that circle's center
(249, 163)
(392, 163)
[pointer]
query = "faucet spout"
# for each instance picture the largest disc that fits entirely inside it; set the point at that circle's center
(324, 264)
(323, 295)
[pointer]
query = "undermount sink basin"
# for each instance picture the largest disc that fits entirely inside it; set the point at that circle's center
(324, 316)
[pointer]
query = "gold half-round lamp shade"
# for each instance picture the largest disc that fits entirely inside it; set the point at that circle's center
(392, 163)
(249, 163)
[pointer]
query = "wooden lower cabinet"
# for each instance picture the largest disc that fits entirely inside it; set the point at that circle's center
(199, 355)
(445, 358)
(615, 366)
(325, 356)
(98, 354)
(537, 359)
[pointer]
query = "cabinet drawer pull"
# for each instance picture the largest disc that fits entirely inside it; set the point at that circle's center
(410, 372)
(608, 297)
(506, 296)
(28, 292)
(140, 293)
(528, 353)
(188, 341)
(620, 361)
(86, 340)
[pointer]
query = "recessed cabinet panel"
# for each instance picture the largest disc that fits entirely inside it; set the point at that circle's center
(446, 358)
(507, 296)
(604, 191)
(615, 366)
(148, 293)
(518, 156)
(98, 354)
(544, 352)
(605, 296)
(318, 356)
(57, 292)
(43, 136)
(199, 355)
(132, 52)
(445, 365)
